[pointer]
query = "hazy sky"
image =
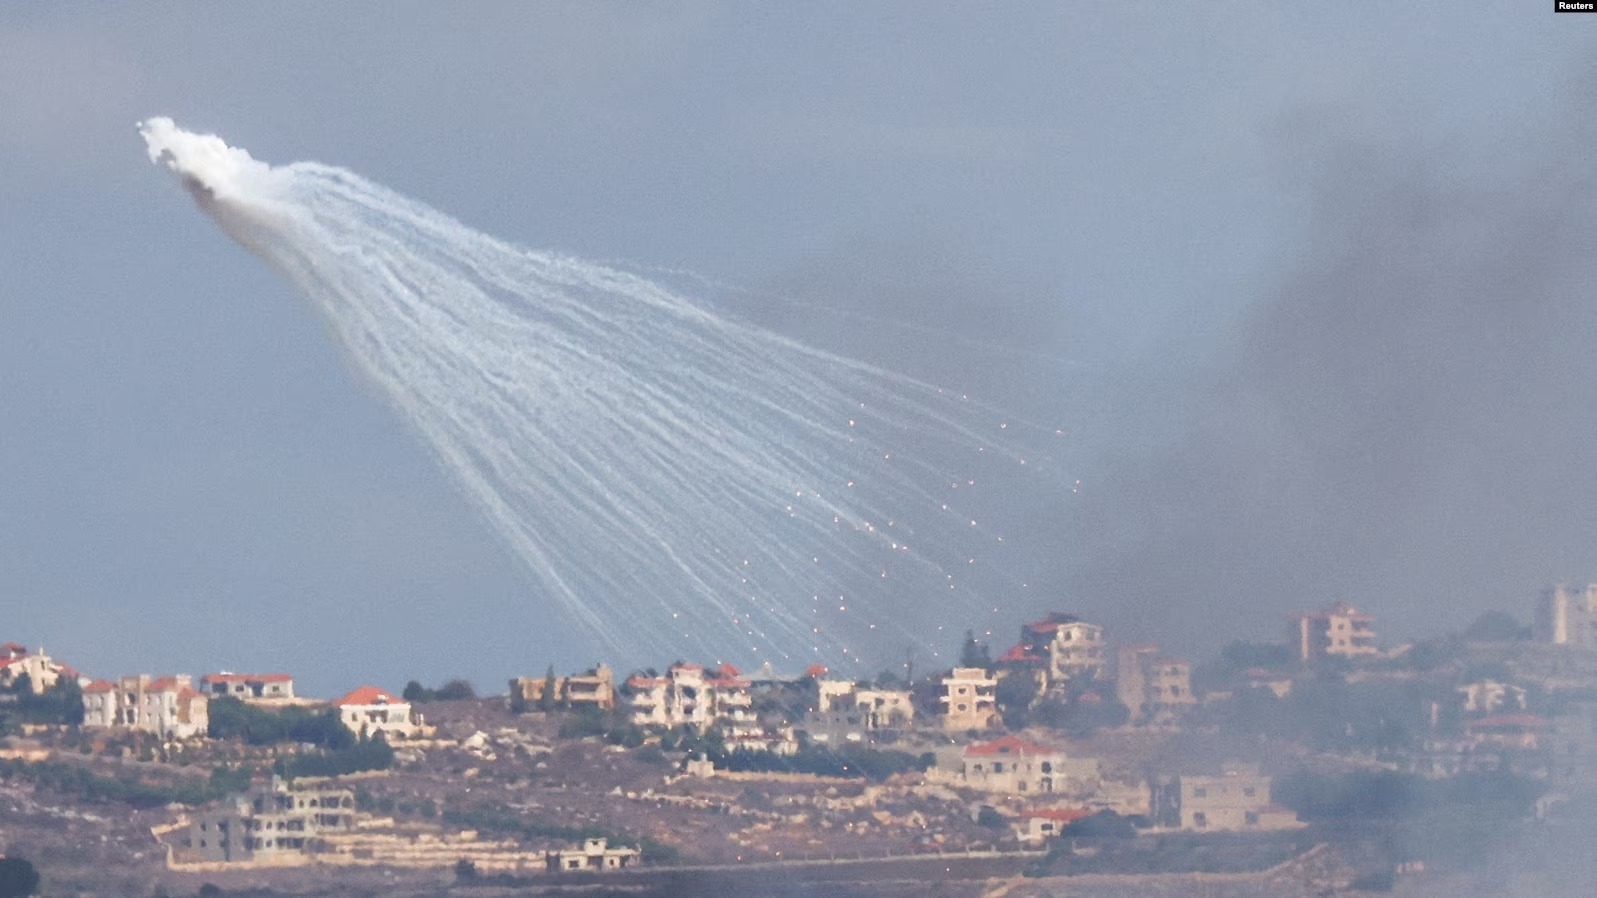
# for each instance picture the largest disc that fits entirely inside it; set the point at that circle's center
(1309, 285)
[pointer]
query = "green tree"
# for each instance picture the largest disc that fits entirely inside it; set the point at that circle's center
(1496, 626)
(1240, 656)
(18, 879)
(455, 690)
(546, 701)
(974, 653)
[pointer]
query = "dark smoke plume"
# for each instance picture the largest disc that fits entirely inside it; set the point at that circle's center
(1409, 422)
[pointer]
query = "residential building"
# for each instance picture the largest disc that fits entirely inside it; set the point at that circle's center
(969, 700)
(1016, 766)
(271, 820)
(168, 707)
(269, 688)
(853, 716)
(594, 689)
(1151, 684)
(685, 696)
(1488, 696)
(595, 854)
(1058, 648)
(1567, 615)
(1038, 825)
(1340, 631)
(369, 711)
(828, 691)
(41, 670)
(1024, 661)
(882, 708)
(1237, 799)
(732, 708)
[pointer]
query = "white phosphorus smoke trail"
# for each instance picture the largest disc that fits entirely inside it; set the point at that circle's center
(679, 480)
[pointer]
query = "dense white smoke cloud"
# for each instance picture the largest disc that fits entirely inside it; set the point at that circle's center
(679, 480)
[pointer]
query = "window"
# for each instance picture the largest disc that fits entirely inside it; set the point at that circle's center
(998, 766)
(1251, 818)
(1200, 792)
(1200, 819)
(1248, 791)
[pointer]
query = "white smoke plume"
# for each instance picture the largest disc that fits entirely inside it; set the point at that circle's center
(677, 479)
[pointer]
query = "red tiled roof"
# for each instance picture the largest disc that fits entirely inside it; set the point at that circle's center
(162, 684)
(815, 670)
(246, 678)
(727, 670)
(100, 686)
(1009, 745)
(186, 694)
(726, 682)
(368, 695)
(1020, 654)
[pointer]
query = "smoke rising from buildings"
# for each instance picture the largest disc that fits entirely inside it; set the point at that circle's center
(680, 481)
(1405, 422)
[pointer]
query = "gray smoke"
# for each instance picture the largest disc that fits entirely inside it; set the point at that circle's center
(1407, 422)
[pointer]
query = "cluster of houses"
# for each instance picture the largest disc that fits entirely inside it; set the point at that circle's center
(174, 708)
(1040, 788)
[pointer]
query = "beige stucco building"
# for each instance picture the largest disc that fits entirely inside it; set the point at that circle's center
(1151, 684)
(686, 696)
(594, 689)
(1237, 799)
(1017, 766)
(168, 707)
(969, 700)
(266, 689)
(1567, 615)
(1340, 631)
(272, 820)
(42, 671)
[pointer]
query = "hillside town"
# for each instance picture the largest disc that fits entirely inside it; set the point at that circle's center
(1063, 754)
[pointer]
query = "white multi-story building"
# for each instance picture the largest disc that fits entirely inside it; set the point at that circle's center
(1019, 766)
(1568, 616)
(42, 671)
(169, 707)
(685, 696)
(1340, 631)
(369, 711)
(1057, 649)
